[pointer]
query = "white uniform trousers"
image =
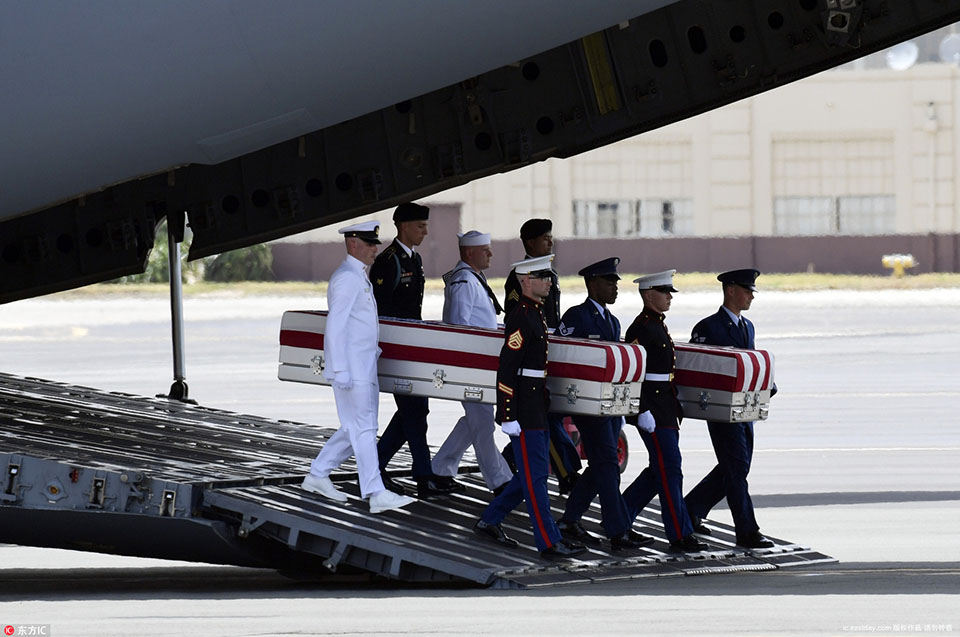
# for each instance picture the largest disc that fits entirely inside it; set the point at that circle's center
(357, 409)
(475, 428)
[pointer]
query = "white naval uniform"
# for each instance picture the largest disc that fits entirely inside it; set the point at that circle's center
(465, 302)
(351, 344)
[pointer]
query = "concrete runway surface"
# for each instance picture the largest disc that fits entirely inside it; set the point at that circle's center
(859, 460)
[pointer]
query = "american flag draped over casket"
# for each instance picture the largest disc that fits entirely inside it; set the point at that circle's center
(723, 383)
(455, 362)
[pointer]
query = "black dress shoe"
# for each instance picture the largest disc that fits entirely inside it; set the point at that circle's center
(449, 483)
(563, 550)
(687, 544)
(493, 532)
(699, 528)
(754, 540)
(575, 532)
(630, 540)
(392, 485)
(429, 488)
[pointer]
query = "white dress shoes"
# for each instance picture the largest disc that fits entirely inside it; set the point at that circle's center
(323, 486)
(386, 500)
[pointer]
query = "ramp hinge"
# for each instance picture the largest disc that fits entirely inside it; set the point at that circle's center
(249, 524)
(11, 481)
(339, 550)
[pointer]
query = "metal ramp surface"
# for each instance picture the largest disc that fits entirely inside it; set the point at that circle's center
(111, 472)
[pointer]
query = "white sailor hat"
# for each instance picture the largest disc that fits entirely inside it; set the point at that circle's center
(474, 238)
(369, 231)
(661, 281)
(536, 266)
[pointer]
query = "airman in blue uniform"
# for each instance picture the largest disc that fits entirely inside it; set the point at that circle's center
(593, 319)
(732, 442)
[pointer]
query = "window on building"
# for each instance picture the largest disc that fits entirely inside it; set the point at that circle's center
(852, 214)
(646, 218)
(604, 218)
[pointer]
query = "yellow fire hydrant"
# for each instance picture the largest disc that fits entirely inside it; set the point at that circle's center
(898, 263)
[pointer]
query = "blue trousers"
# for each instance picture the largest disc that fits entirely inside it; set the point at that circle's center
(733, 444)
(409, 424)
(529, 483)
(564, 458)
(662, 477)
(599, 437)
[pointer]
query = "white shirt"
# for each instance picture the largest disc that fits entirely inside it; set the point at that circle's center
(465, 301)
(352, 335)
(409, 251)
(733, 317)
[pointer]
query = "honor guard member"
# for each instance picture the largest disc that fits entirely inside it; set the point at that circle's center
(522, 402)
(599, 435)
(468, 300)
(398, 282)
(350, 351)
(732, 441)
(537, 237)
(659, 419)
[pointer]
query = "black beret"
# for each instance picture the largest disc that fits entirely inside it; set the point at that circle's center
(606, 268)
(745, 278)
(533, 228)
(411, 212)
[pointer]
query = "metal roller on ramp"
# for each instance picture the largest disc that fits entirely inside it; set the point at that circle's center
(115, 473)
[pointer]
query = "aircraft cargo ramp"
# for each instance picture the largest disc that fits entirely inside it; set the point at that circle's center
(116, 473)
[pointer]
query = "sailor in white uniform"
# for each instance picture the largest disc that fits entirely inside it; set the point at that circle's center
(350, 351)
(468, 300)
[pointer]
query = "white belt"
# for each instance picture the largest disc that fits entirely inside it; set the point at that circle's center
(532, 373)
(658, 378)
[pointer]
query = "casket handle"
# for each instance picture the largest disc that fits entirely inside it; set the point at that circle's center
(438, 376)
(572, 393)
(316, 364)
(704, 400)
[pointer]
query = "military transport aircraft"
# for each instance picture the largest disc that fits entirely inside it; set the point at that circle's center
(251, 121)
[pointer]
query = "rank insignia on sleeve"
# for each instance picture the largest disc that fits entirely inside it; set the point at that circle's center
(513, 296)
(506, 390)
(515, 341)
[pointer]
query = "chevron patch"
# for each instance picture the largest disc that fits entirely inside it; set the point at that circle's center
(513, 296)
(506, 390)
(515, 341)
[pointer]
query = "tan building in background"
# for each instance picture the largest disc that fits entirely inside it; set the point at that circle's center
(828, 174)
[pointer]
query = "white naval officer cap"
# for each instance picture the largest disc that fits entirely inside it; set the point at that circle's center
(536, 266)
(474, 238)
(661, 281)
(368, 231)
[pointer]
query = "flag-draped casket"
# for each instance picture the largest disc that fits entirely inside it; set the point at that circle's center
(723, 383)
(455, 362)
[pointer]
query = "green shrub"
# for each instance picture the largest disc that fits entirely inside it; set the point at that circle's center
(246, 264)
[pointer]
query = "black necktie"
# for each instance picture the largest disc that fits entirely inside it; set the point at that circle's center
(486, 286)
(743, 331)
(609, 319)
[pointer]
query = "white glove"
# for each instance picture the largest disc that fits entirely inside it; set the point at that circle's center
(511, 428)
(646, 422)
(341, 380)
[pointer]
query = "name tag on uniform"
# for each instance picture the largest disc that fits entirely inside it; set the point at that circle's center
(596, 336)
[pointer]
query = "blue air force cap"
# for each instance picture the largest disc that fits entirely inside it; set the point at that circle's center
(606, 268)
(746, 278)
